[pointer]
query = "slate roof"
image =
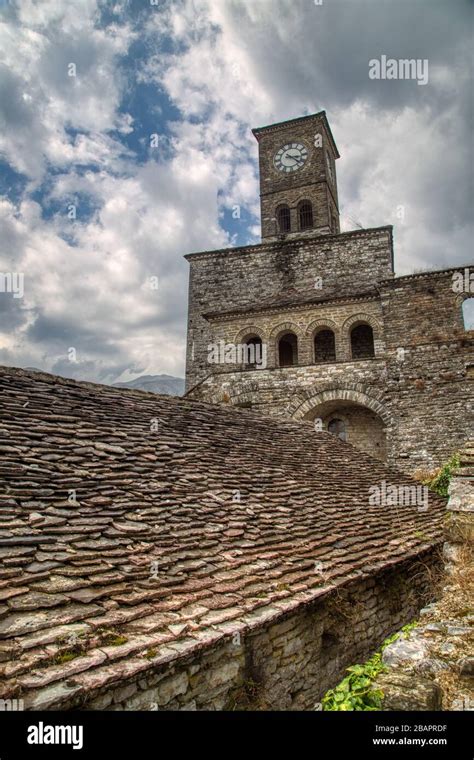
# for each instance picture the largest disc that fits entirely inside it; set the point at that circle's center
(155, 479)
(293, 298)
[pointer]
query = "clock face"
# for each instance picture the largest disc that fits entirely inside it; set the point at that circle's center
(290, 157)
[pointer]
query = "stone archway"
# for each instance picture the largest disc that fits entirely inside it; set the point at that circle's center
(364, 418)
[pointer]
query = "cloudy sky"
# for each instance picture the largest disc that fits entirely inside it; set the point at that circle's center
(125, 141)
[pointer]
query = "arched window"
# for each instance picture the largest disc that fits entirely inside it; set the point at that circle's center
(252, 353)
(325, 346)
(468, 313)
(288, 350)
(338, 428)
(283, 219)
(362, 342)
(305, 215)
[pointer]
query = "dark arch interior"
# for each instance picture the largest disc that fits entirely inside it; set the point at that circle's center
(305, 214)
(288, 350)
(254, 346)
(284, 219)
(338, 427)
(362, 342)
(325, 346)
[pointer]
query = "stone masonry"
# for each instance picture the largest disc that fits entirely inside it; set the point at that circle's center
(163, 553)
(411, 401)
(286, 664)
(431, 667)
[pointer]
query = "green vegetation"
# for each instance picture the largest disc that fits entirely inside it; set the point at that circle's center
(355, 690)
(111, 637)
(116, 641)
(66, 657)
(406, 630)
(439, 482)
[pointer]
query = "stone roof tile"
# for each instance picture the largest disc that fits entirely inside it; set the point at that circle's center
(117, 542)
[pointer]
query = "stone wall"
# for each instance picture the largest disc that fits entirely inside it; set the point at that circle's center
(420, 382)
(431, 390)
(286, 662)
(363, 429)
(432, 666)
(242, 278)
(304, 322)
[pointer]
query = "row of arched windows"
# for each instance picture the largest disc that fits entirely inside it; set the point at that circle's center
(304, 215)
(362, 346)
(361, 342)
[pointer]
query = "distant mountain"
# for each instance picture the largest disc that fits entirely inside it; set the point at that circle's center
(165, 384)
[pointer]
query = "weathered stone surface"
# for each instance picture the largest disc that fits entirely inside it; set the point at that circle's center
(466, 666)
(405, 691)
(35, 600)
(51, 696)
(125, 692)
(405, 651)
(21, 623)
(40, 678)
(223, 674)
(171, 688)
(8, 593)
(461, 495)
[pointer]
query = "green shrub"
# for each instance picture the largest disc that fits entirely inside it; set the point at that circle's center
(440, 482)
(355, 690)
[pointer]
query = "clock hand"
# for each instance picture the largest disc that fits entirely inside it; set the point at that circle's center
(295, 159)
(298, 159)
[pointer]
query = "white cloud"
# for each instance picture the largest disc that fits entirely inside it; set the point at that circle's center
(41, 99)
(233, 65)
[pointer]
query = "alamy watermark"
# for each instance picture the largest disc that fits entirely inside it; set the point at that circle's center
(463, 282)
(12, 282)
(252, 354)
(391, 495)
(401, 68)
(11, 705)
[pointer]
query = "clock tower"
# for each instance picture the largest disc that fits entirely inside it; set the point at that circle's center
(298, 187)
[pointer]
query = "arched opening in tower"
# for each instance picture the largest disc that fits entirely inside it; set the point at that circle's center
(288, 350)
(362, 342)
(324, 346)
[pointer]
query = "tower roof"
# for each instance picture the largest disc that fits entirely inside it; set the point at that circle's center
(320, 115)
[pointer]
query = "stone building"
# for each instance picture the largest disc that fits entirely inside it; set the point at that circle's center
(312, 324)
(158, 553)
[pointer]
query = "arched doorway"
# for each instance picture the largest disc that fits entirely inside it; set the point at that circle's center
(353, 422)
